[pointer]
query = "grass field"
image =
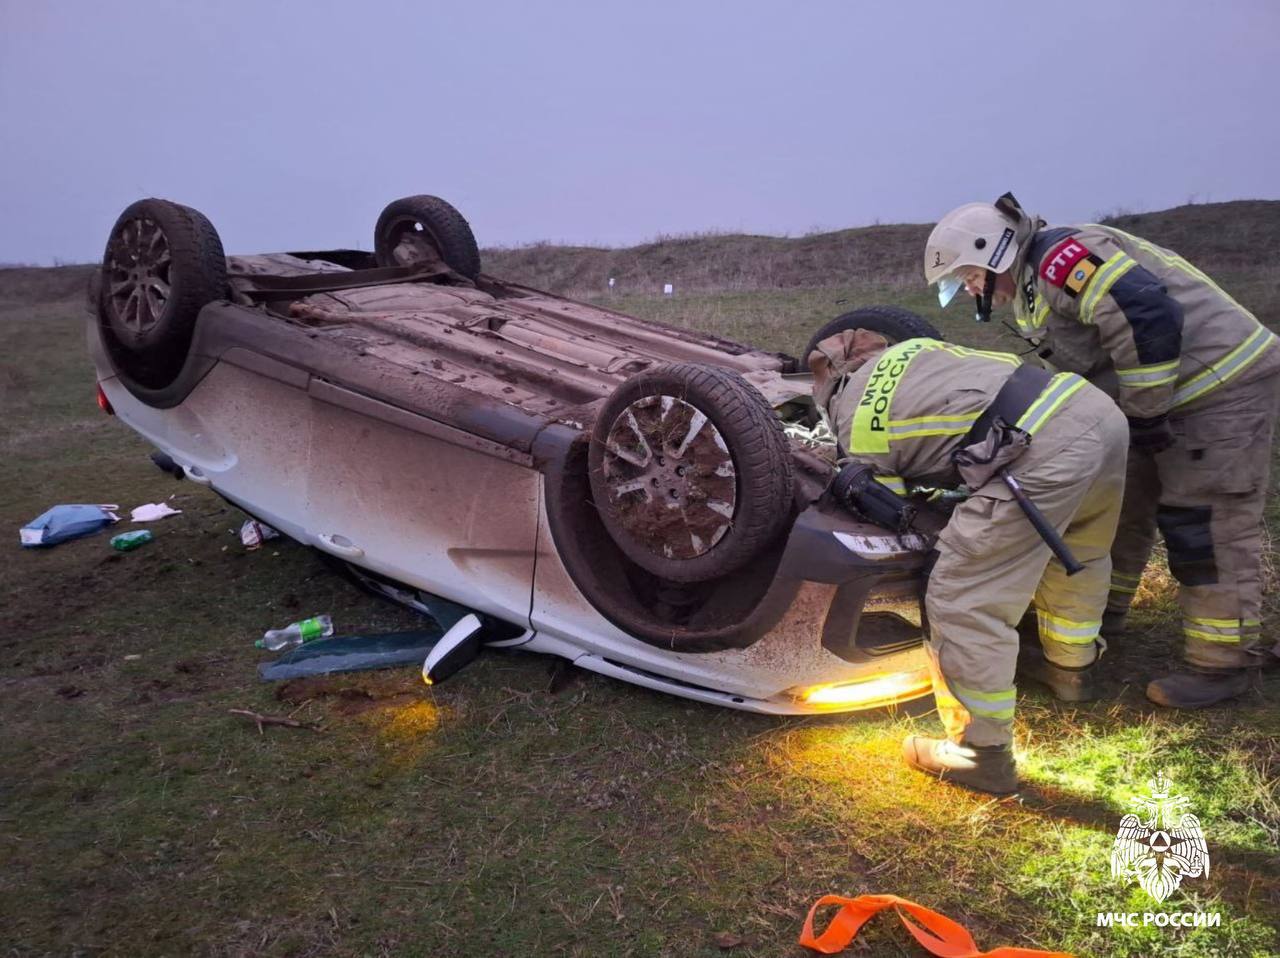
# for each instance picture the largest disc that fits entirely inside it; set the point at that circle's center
(491, 815)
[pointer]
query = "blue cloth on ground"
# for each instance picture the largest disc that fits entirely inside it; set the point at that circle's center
(62, 523)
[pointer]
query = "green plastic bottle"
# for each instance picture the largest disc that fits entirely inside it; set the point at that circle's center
(318, 627)
(128, 541)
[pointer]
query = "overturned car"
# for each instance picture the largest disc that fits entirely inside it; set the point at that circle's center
(620, 492)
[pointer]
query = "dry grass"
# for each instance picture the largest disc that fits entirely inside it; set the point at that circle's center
(719, 262)
(1220, 237)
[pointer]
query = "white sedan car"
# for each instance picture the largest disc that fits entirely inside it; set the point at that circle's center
(617, 491)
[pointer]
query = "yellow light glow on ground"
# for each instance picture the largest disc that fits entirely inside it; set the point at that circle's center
(406, 732)
(872, 693)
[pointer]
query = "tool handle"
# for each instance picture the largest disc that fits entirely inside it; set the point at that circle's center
(1047, 532)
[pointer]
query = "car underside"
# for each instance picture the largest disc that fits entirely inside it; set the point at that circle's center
(647, 501)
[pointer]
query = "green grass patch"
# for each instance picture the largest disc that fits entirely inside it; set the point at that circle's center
(490, 816)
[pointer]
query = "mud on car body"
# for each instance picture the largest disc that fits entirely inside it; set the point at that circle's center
(623, 493)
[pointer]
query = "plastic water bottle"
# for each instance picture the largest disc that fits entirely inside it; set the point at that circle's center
(319, 627)
(128, 541)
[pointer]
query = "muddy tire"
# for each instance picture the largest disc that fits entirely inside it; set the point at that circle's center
(690, 471)
(894, 323)
(425, 231)
(162, 265)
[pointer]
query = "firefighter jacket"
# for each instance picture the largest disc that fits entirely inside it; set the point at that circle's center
(1138, 320)
(906, 410)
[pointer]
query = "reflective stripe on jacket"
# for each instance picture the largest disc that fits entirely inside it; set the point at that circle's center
(907, 409)
(1103, 303)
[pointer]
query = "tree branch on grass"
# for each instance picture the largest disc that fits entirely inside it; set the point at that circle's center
(261, 720)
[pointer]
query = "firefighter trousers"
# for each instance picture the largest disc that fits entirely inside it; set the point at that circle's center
(992, 564)
(1205, 495)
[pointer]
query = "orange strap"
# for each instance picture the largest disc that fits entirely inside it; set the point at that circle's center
(940, 935)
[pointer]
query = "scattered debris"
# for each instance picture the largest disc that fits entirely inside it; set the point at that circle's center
(253, 533)
(353, 653)
(296, 633)
(726, 939)
(262, 720)
(940, 935)
(152, 511)
(132, 658)
(65, 522)
(819, 434)
(128, 541)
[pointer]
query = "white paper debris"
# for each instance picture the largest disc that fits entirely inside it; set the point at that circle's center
(819, 434)
(152, 511)
(253, 533)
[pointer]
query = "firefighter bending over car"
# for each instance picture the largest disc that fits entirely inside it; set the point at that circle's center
(1196, 376)
(928, 413)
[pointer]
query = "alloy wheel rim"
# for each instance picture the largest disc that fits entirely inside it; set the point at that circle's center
(671, 480)
(139, 275)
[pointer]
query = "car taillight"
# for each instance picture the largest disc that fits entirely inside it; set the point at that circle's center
(104, 403)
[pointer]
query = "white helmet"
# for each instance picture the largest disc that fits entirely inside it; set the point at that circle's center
(985, 235)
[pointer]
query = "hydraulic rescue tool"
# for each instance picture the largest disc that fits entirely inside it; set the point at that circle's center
(856, 487)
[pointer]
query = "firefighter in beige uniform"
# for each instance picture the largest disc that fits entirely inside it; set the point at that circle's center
(931, 413)
(1196, 375)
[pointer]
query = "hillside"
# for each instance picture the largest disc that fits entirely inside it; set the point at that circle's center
(34, 285)
(715, 261)
(1244, 234)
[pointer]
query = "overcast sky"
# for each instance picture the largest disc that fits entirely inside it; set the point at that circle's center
(290, 124)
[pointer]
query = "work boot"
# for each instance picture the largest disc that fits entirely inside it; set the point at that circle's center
(983, 768)
(1067, 683)
(1113, 624)
(1198, 688)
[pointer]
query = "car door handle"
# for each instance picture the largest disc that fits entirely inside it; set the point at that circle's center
(340, 545)
(195, 475)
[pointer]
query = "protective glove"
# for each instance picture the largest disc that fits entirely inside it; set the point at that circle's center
(1150, 436)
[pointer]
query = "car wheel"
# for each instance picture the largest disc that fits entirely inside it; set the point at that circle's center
(690, 471)
(163, 263)
(425, 231)
(892, 322)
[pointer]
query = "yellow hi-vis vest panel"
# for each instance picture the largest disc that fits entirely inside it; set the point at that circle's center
(870, 432)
